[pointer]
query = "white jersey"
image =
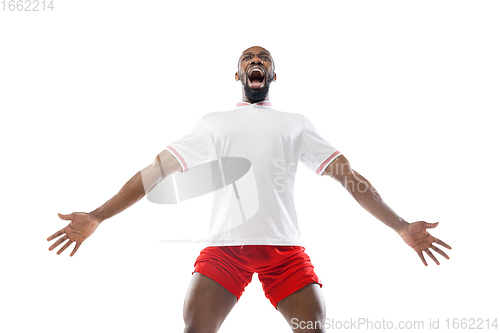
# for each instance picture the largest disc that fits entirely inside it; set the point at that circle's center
(260, 210)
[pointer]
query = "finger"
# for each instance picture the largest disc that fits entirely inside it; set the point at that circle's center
(59, 241)
(430, 225)
(75, 249)
(68, 243)
(422, 258)
(66, 216)
(440, 242)
(429, 253)
(438, 250)
(55, 235)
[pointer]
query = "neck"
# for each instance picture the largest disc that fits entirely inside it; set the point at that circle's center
(248, 100)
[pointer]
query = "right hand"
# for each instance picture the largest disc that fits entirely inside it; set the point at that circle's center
(80, 227)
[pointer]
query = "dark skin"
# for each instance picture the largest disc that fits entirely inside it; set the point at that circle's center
(414, 234)
(207, 303)
(255, 57)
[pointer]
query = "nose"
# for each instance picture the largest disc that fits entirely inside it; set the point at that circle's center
(256, 60)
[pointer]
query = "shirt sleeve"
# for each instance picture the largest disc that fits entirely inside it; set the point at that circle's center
(315, 152)
(192, 149)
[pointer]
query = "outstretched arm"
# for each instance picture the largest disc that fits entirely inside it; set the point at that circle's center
(82, 225)
(138, 186)
(414, 234)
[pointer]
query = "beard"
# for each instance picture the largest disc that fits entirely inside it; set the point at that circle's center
(256, 95)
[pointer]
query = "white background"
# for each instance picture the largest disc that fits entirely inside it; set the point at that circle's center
(91, 92)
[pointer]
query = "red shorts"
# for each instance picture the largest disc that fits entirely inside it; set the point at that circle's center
(282, 270)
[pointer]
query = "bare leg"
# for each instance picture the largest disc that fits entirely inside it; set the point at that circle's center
(304, 307)
(206, 306)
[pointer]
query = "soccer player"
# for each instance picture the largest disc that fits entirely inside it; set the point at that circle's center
(267, 241)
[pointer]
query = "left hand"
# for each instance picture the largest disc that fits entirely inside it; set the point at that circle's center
(80, 227)
(416, 236)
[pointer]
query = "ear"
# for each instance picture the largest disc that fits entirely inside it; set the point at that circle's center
(236, 76)
(274, 78)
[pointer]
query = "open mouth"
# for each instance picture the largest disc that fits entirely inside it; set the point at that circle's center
(256, 78)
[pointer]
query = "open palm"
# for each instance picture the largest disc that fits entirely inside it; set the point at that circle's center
(81, 226)
(416, 236)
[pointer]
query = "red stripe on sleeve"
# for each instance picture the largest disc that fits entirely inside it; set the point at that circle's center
(327, 161)
(184, 164)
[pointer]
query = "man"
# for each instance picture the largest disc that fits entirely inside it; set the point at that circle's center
(268, 242)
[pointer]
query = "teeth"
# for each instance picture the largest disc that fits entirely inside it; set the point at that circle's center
(260, 76)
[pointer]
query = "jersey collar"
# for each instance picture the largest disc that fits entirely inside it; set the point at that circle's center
(263, 103)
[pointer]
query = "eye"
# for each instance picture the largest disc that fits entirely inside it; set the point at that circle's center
(246, 58)
(265, 58)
